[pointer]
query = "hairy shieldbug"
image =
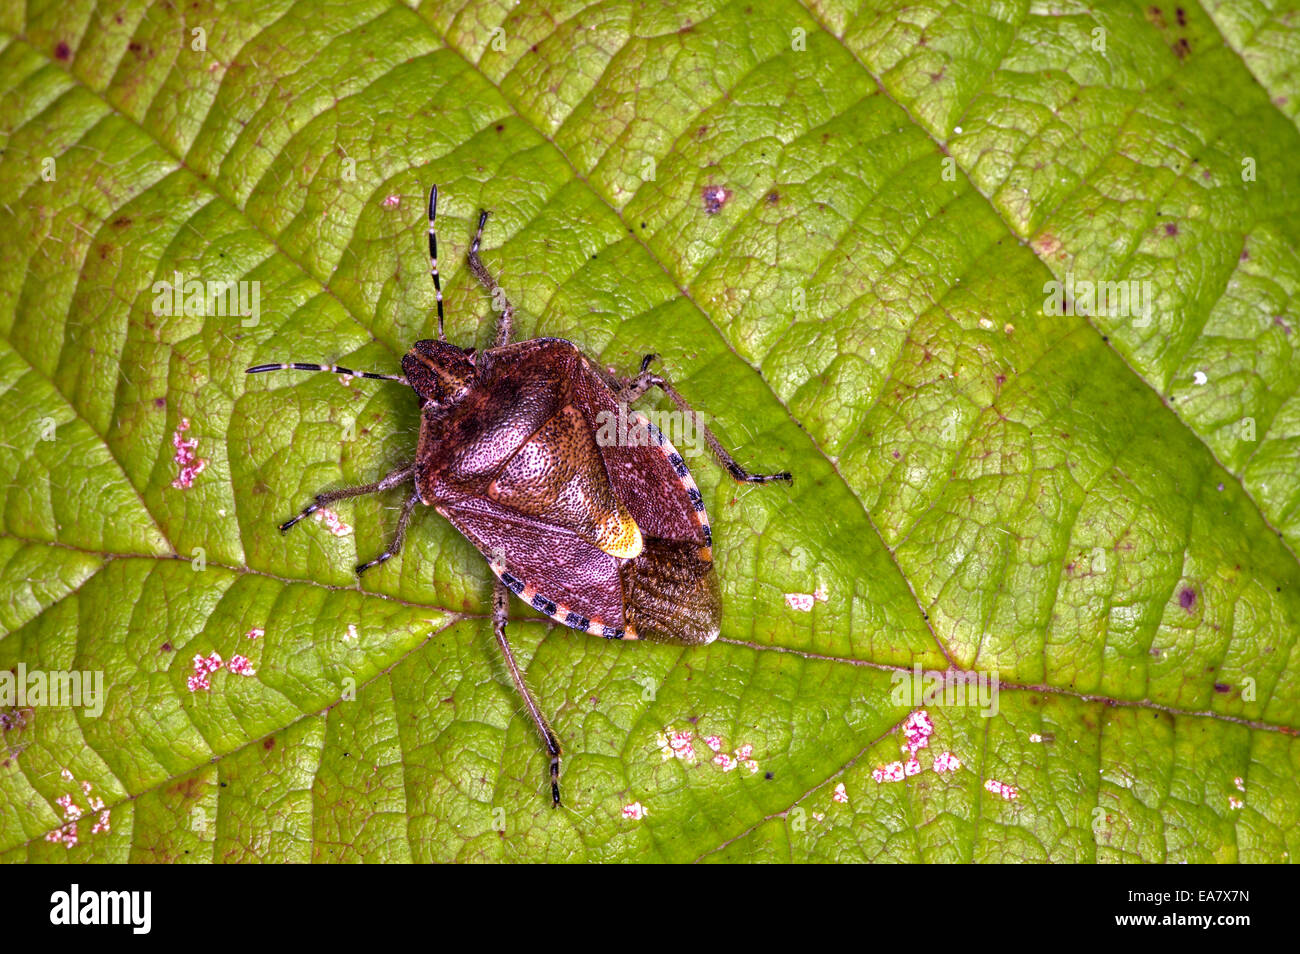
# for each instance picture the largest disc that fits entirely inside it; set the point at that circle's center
(609, 537)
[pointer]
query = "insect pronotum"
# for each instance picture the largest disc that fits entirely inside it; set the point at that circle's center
(609, 537)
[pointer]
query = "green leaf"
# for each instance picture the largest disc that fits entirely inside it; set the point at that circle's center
(1100, 511)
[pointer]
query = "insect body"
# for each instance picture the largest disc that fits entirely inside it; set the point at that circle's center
(609, 536)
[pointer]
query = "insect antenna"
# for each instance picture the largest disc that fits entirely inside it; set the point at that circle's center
(334, 368)
(433, 256)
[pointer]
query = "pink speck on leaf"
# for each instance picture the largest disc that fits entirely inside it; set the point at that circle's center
(241, 666)
(946, 762)
(333, 522)
(636, 811)
(912, 767)
(67, 835)
(1235, 802)
(71, 810)
(392, 201)
(682, 744)
(917, 729)
(715, 197)
(724, 761)
(840, 794)
(1009, 792)
(1240, 783)
(803, 602)
(255, 633)
(893, 772)
(204, 666)
(102, 825)
(190, 465)
(714, 742)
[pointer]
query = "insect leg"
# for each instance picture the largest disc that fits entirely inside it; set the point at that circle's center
(500, 614)
(629, 389)
(395, 546)
(507, 317)
(433, 257)
(397, 477)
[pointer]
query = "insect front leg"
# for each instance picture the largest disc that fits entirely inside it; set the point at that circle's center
(395, 546)
(505, 321)
(628, 390)
(396, 478)
(500, 616)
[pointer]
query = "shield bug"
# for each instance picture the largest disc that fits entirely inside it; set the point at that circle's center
(609, 536)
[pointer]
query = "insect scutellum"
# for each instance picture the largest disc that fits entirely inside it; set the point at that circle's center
(665, 580)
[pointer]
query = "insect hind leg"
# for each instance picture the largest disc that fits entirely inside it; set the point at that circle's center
(505, 321)
(387, 482)
(500, 616)
(627, 390)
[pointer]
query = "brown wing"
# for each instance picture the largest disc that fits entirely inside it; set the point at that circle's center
(551, 568)
(558, 476)
(666, 594)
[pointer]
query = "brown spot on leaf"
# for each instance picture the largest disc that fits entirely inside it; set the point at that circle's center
(1187, 598)
(63, 51)
(188, 788)
(1171, 228)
